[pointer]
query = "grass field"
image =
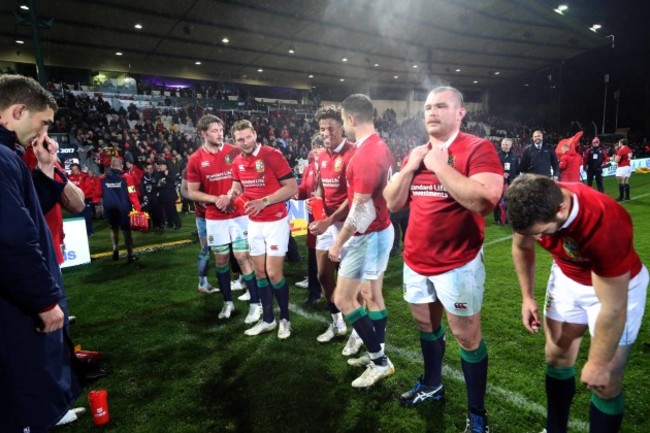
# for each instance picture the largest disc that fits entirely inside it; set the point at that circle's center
(176, 368)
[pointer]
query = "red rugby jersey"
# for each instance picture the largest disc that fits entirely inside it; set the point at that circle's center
(599, 239)
(442, 234)
(260, 176)
(214, 172)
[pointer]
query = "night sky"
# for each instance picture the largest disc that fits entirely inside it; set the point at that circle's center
(580, 81)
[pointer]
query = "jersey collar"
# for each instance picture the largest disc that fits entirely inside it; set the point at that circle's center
(447, 143)
(573, 214)
(339, 147)
(360, 141)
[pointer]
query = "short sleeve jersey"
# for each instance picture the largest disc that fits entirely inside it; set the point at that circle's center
(443, 235)
(332, 168)
(199, 209)
(214, 172)
(368, 173)
(260, 175)
(624, 152)
(588, 245)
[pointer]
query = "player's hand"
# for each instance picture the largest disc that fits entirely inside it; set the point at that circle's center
(308, 206)
(222, 202)
(415, 158)
(530, 316)
(334, 253)
(436, 158)
(52, 320)
(596, 377)
(45, 150)
(319, 227)
(254, 207)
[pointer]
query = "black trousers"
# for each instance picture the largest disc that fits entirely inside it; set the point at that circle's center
(400, 221)
(171, 214)
(598, 174)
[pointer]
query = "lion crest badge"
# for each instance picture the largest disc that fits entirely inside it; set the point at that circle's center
(259, 166)
(338, 164)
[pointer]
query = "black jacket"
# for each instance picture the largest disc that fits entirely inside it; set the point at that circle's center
(37, 385)
(539, 161)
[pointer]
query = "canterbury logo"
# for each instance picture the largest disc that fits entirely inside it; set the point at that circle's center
(460, 306)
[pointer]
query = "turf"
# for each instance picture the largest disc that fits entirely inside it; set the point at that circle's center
(176, 368)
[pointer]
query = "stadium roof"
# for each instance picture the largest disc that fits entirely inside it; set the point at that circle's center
(386, 43)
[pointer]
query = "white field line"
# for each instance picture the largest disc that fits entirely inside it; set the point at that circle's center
(514, 399)
(498, 240)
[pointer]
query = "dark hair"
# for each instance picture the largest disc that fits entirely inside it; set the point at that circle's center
(329, 112)
(204, 122)
(532, 199)
(74, 164)
(240, 125)
(360, 106)
(16, 89)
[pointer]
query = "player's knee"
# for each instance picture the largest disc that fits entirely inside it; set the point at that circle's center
(468, 339)
(339, 299)
(275, 276)
(559, 359)
(222, 261)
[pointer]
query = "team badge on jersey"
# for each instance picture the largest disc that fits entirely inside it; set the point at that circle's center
(259, 166)
(228, 159)
(570, 247)
(452, 160)
(338, 164)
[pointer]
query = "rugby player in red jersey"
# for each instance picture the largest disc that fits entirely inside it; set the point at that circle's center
(262, 175)
(597, 283)
(209, 178)
(364, 241)
(450, 184)
(623, 158)
(333, 162)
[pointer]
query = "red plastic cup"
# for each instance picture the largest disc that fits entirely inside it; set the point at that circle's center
(317, 208)
(240, 202)
(98, 400)
(89, 354)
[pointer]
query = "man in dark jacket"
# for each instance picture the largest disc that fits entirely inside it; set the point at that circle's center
(540, 158)
(593, 161)
(168, 196)
(37, 384)
(150, 196)
(510, 162)
(119, 197)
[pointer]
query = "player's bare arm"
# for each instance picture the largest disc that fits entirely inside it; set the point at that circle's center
(523, 256)
(612, 293)
(478, 193)
(397, 190)
(362, 213)
(194, 193)
(289, 188)
(318, 227)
